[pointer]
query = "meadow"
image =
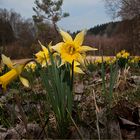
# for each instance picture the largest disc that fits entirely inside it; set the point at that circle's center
(63, 93)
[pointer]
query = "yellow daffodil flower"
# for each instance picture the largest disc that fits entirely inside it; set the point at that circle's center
(43, 56)
(30, 66)
(107, 60)
(134, 59)
(110, 60)
(122, 51)
(12, 74)
(98, 60)
(72, 50)
(118, 55)
(123, 54)
(113, 60)
(77, 69)
(137, 59)
(131, 61)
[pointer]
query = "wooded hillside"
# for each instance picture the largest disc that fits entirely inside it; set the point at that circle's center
(19, 37)
(112, 37)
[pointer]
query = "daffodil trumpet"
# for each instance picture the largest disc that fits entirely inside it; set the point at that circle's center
(11, 75)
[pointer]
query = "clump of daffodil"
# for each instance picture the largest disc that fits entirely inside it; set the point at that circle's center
(43, 56)
(123, 54)
(12, 74)
(72, 50)
(98, 61)
(122, 58)
(134, 61)
(109, 60)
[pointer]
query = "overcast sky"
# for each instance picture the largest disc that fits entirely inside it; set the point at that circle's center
(84, 14)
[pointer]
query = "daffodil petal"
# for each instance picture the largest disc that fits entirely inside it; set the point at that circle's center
(24, 81)
(79, 38)
(66, 37)
(44, 48)
(58, 46)
(7, 61)
(76, 63)
(39, 54)
(19, 68)
(80, 58)
(78, 70)
(86, 48)
(44, 63)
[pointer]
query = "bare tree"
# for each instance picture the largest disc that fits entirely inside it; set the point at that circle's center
(126, 9)
(15, 19)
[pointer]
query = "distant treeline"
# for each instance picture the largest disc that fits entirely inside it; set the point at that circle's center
(112, 37)
(19, 37)
(107, 29)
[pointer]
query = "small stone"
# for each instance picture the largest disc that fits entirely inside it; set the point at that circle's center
(79, 87)
(136, 79)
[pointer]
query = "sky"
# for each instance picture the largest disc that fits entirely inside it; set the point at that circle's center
(84, 14)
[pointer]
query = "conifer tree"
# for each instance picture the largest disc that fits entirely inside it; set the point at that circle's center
(49, 10)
